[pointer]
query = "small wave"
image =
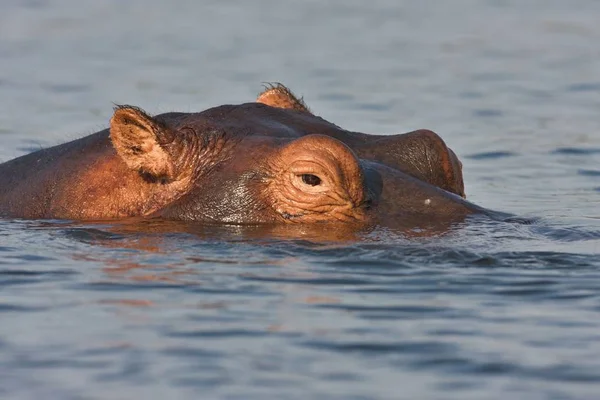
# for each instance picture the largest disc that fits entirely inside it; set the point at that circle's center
(491, 155)
(589, 172)
(487, 113)
(576, 151)
(584, 87)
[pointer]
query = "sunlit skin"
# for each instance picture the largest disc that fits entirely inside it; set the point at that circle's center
(267, 162)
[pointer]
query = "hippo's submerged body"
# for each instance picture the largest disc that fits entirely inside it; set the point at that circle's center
(271, 161)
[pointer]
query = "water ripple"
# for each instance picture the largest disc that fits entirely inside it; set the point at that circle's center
(491, 155)
(576, 151)
(589, 172)
(584, 87)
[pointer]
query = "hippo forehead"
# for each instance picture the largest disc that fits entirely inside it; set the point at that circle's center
(259, 120)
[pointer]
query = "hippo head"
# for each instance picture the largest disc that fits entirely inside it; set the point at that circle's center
(273, 161)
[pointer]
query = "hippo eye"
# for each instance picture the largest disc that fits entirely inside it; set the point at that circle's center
(311, 179)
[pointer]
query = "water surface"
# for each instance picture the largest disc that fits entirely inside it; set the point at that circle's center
(486, 310)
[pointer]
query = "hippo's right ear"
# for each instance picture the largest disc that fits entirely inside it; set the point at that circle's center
(141, 142)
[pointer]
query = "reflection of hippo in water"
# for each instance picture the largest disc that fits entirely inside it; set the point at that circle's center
(271, 161)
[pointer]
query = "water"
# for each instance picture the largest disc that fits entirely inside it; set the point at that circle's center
(155, 310)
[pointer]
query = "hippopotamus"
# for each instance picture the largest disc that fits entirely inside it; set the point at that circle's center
(271, 161)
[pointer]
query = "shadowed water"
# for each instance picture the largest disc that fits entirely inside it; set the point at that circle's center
(488, 308)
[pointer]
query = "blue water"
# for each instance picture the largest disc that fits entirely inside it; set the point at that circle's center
(156, 310)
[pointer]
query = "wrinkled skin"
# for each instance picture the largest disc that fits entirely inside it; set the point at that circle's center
(271, 161)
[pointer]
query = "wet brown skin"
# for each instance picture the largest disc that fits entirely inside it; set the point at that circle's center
(271, 161)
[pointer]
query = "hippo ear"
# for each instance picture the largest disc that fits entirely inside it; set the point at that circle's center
(277, 95)
(140, 141)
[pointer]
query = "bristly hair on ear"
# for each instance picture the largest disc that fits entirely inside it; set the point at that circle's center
(297, 103)
(118, 107)
(157, 123)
